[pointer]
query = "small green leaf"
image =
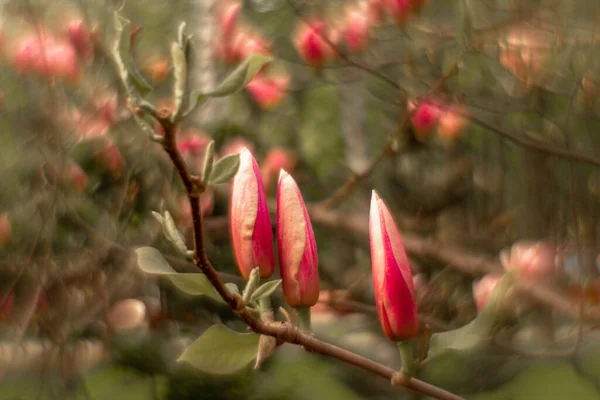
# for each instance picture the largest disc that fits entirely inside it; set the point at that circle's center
(173, 234)
(234, 82)
(121, 50)
(221, 351)
(152, 262)
(224, 170)
(199, 285)
(265, 290)
(158, 217)
(138, 80)
(251, 284)
(240, 76)
(180, 80)
(195, 285)
(209, 157)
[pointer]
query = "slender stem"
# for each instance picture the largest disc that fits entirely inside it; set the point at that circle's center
(304, 319)
(405, 347)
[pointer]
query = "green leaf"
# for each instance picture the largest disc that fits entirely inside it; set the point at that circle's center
(234, 82)
(158, 217)
(265, 290)
(240, 76)
(209, 156)
(138, 80)
(224, 170)
(152, 262)
(195, 285)
(173, 234)
(221, 351)
(134, 83)
(180, 80)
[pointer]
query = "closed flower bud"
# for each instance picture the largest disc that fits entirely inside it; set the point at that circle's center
(424, 118)
(399, 10)
(296, 244)
(80, 37)
(452, 122)
(534, 261)
(392, 278)
(228, 17)
(311, 45)
(249, 220)
(356, 31)
(483, 288)
(267, 92)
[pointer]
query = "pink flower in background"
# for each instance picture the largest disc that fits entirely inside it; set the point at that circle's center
(483, 288)
(533, 261)
(296, 246)
(392, 277)
(452, 122)
(275, 160)
(399, 10)
(356, 30)
(267, 91)
(425, 117)
(311, 45)
(80, 37)
(227, 18)
(235, 145)
(249, 221)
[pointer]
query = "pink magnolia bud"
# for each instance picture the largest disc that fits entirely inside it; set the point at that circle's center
(229, 49)
(77, 177)
(483, 288)
(533, 261)
(356, 31)
(425, 118)
(227, 18)
(111, 158)
(296, 245)
(80, 37)
(267, 92)
(311, 45)
(375, 10)
(452, 122)
(392, 278)
(399, 10)
(249, 221)
(235, 146)
(193, 145)
(277, 158)
(252, 44)
(5, 229)
(30, 55)
(62, 61)
(107, 108)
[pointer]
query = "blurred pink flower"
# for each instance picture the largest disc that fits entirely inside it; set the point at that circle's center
(533, 261)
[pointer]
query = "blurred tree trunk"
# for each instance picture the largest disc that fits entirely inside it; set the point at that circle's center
(352, 113)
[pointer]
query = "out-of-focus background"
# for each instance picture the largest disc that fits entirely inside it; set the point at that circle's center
(509, 155)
